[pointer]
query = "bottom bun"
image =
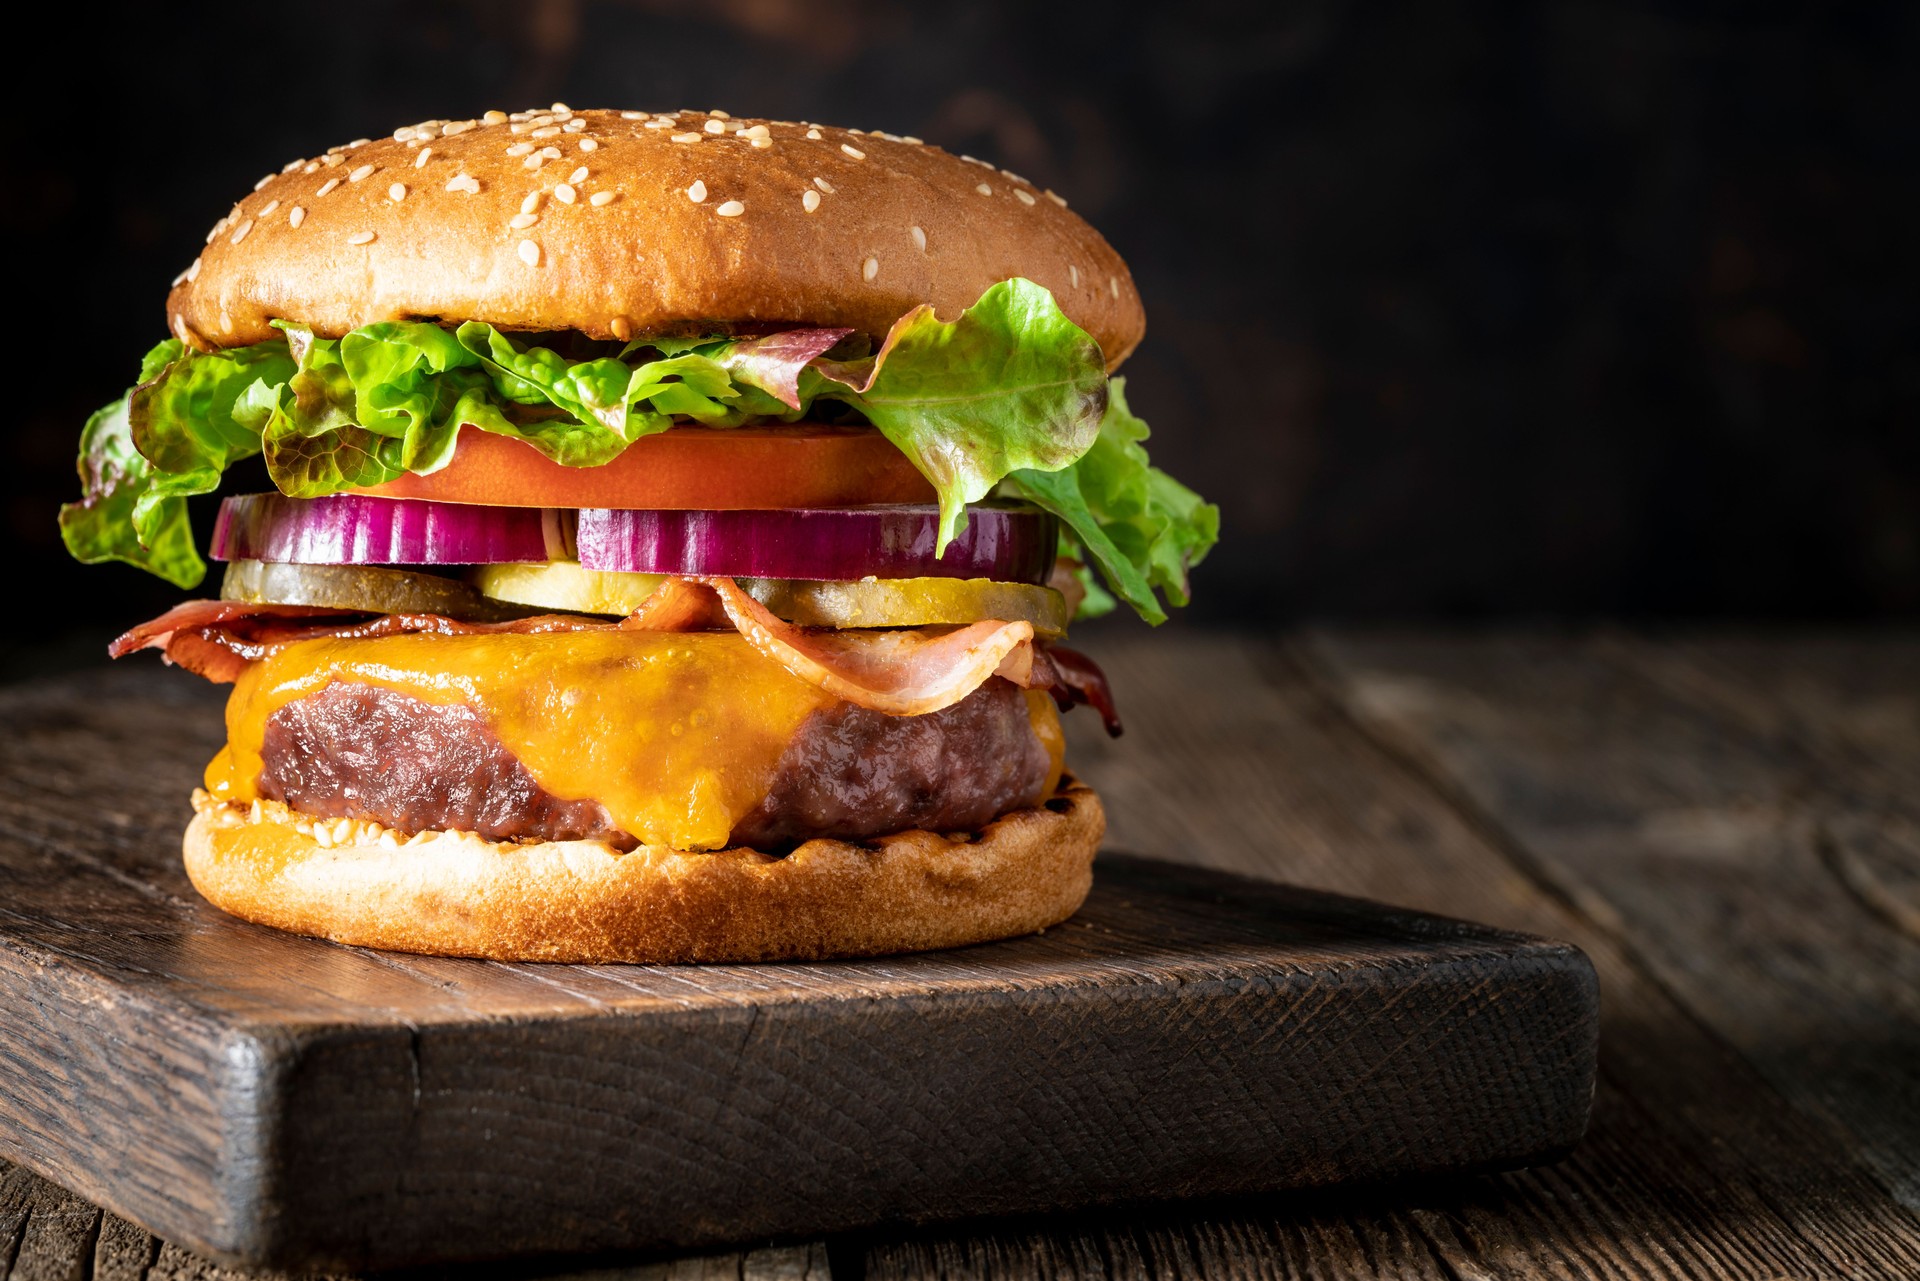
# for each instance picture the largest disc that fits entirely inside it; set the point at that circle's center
(456, 894)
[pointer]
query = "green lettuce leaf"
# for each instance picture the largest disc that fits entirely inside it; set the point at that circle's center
(313, 438)
(100, 527)
(169, 438)
(1011, 393)
(1143, 528)
(1012, 385)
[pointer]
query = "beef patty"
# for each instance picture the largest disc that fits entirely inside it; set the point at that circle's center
(360, 751)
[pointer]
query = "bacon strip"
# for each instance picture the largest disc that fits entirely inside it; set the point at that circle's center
(217, 639)
(678, 605)
(192, 615)
(1072, 677)
(903, 673)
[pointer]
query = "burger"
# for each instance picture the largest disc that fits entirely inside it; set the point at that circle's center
(676, 520)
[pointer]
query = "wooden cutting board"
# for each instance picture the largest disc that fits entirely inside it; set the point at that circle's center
(275, 1100)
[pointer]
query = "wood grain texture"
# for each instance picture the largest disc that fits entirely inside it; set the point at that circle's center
(1720, 827)
(1247, 755)
(293, 1102)
(47, 1232)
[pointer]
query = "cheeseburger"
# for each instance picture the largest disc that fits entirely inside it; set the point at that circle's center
(676, 523)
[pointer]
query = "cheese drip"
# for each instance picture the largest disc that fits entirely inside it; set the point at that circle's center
(678, 735)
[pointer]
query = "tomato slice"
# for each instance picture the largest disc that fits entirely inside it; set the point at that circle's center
(686, 469)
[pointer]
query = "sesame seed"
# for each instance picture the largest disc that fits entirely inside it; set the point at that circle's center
(533, 161)
(919, 238)
(521, 221)
(633, 115)
(664, 122)
(271, 205)
(599, 198)
(403, 134)
(358, 142)
(1056, 197)
(291, 165)
(1026, 197)
(686, 137)
(760, 144)
(494, 118)
(550, 153)
(192, 272)
(715, 126)
(453, 127)
(519, 149)
(1016, 177)
(463, 182)
(182, 276)
(398, 191)
(531, 203)
(870, 268)
(559, 107)
(421, 161)
(541, 121)
(732, 209)
(530, 253)
(858, 131)
(360, 238)
(814, 134)
(824, 185)
(588, 144)
(312, 166)
(240, 233)
(621, 329)
(758, 131)
(359, 173)
(984, 189)
(327, 186)
(263, 182)
(578, 175)
(912, 141)
(332, 158)
(697, 192)
(853, 151)
(565, 193)
(1073, 275)
(809, 200)
(547, 131)
(718, 114)
(1113, 285)
(215, 230)
(296, 216)
(576, 125)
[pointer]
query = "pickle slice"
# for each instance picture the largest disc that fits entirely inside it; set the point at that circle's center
(563, 585)
(360, 587)
(909, 602)
(867, 602)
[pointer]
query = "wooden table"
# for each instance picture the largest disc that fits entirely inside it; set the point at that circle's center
(1728, 824)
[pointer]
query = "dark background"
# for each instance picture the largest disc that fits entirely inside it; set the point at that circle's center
(1458, 310)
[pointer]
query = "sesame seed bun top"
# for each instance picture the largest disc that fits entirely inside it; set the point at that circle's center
(625, 223)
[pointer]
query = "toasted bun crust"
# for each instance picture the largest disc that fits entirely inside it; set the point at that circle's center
(460, 895)
(893, 223)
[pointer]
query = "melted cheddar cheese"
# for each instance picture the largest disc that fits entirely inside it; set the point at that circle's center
(677, 734)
